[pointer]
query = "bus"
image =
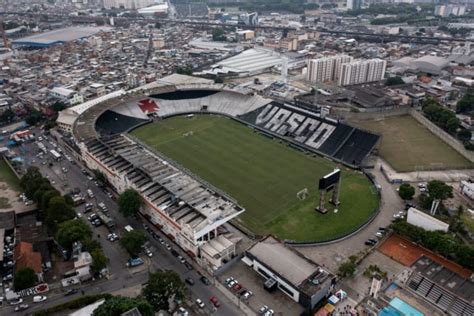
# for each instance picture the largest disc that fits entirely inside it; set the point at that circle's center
(42, 148)
(57, 156)
(106, 220)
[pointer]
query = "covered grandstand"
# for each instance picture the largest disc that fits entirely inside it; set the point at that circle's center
(328, 137)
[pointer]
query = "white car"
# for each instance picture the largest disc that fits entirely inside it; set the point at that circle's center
(148, 252)
(379, 234)
(200, 303)
(39, 298)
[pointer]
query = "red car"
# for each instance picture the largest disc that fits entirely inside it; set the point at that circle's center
(237, 287)
(215, 301)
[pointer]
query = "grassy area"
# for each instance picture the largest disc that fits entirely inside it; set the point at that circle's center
(263, 175)
(409, 146)
(7, 175)
(468, 220)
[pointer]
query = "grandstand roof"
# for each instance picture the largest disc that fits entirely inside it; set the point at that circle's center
(59, 36)
(251, 60)
(80, 108)
(183, 79)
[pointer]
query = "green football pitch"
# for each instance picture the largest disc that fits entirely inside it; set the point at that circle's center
(263, 175)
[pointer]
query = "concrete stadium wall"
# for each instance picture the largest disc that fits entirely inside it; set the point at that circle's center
(381, 113)
(450, 140)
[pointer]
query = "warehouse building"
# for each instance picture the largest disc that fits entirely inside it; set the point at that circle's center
(301, 279)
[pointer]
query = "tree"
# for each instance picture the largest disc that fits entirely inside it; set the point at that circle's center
(218, 34)
(58, 106)
(58, 211)
(33, 117)
(347, 269)
(129, 202)
(464, 135)
(162, 287)
(184, 70)
(71, 231)
(47, 196)
(439, 190)
(118, 305)
(7, 116)
(466, 104)
(24, 278)
(406, 191)
(132, 241)
(100, 177)
(392, 81)
(99, 260)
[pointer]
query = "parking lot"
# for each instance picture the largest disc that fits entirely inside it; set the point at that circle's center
(250, 280)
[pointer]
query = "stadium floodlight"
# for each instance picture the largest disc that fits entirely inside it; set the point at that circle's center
(331, 181)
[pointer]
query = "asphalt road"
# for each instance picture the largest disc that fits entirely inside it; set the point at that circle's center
(120, 276)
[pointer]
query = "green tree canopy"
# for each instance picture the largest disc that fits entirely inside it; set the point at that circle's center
(7, 116)
(33, 117)
(71, 231)
(218, 34)
(99, 260)
(464, 135)
(466, 104)
(406, 191)
(24, 278)
(58, 211)
(129, 202)
(161, 286)
(100, 177)
(439, 190)
(392, 81)
(347, 268)
(133, 241)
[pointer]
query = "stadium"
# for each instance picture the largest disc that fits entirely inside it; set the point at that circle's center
(203, 154)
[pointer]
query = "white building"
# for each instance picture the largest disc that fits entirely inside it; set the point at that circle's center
(301, 279)
(467, 189)
(362, 71)
(450, 10)
(326, 68)
(425, 221)
(68, 96)
(128, 4)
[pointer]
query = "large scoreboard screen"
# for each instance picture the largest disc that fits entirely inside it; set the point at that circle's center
(329, 180)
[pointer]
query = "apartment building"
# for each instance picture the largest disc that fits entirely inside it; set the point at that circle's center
(326, 68)
(361, 72)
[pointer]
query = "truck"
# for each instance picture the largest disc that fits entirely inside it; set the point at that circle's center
(106, 220)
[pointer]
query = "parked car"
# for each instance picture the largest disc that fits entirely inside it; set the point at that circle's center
(215, 301)
(188, 266)
(70, 292)
(21, 307)
(246, 295)
(39, 298)
(134, 262)
(263, 309)
(148, 252)
(182, 311)
(112, 237)
(189, 280)
(205, 280)
(379, 234)
(269, 312)
(16, 302)
(200, 303)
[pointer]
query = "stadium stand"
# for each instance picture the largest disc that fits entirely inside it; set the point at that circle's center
(111, 122)
(442, 287)
(331, 138)
(186, 94)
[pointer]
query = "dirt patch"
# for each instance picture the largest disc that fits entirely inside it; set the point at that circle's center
(406, 252)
